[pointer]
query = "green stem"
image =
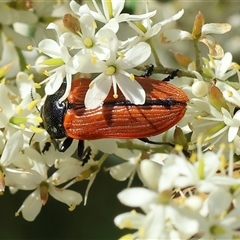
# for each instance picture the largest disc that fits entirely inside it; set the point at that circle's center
(22, 59)
(102, 159)
(161, 148)
(197, 55)
(166, 70)
(155, 55)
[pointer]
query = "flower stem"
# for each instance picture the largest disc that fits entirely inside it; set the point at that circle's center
(165, 147)
(197, 55)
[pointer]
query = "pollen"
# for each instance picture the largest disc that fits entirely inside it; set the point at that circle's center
(36, 129)
(28, 66)
(32, 105)
(19, 110)
(132, 77)
(207, 139)
(30, 47)
(88, 42)
(93, 59)
(111, 70)
(47, 73)
(115, 96)
(230, 94)
(198, 117)
(72, 207)
(38, 119)
(178, 147)
(120, 54)
(211, 147)
(193, 157)
(31, 76)
(37, 85)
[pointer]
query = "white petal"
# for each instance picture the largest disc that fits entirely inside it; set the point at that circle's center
(75, 6)
(25, 86)
(122, 171)
(66, 196)
(232, 133)
(154, 223)
(19, 40)
(173, 18)
(32, 206)
(23, 162)
(174, 35)
(134, 56)
(138, 17)
(117, 7)
(131, 220)
(223, 65)
(50, 47)
(216, 28)
(23, 180)
(137, 197)
(54, 82)
(70, 39)
(132, 90)
(54, 27)
(39, 164)
(150, 173)
(97, 93)
(222, 206)
(12, 148)
(66, 173)
(83, 63)
(87, 26)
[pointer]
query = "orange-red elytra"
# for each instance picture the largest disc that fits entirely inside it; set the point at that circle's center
(164, 107)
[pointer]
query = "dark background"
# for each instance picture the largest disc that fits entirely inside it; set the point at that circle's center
(55, 221)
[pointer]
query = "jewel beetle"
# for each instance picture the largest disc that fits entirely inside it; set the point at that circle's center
(165, 106)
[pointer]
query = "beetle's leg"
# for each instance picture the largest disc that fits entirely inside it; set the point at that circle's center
(46, 147)
(171, 76)
(66, 144)
(149, 71)
(84, 154)
(146, 140)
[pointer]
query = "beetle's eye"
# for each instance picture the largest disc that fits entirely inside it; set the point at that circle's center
(60, 105)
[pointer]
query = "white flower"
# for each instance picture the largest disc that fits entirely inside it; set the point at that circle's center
(220, 222)
(113, 74)
(162, 216)
(43, 187)
(20, 113)
(59, 57)
(12, 161)
(89, 43)
(111, 15)
(215, 50)
(9, 16)
(146, 31)
(202, 174)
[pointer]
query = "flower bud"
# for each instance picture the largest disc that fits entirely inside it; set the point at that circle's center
(182, 59)
(197, 26)
(71, 23)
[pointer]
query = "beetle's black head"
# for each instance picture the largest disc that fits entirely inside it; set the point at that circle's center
(52, 113)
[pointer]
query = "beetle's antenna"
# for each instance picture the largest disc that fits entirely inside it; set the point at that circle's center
(30, 140)
(31, 92)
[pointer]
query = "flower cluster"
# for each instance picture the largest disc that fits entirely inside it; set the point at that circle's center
(183, 176)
